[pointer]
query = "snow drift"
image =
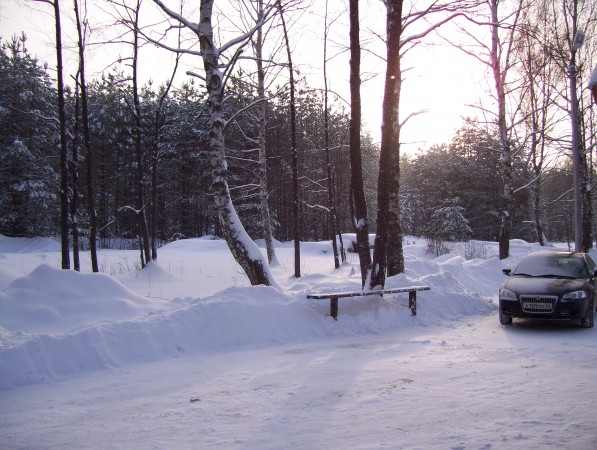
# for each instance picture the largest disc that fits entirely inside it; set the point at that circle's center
(56, 323)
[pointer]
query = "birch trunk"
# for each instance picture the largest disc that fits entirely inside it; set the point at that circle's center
(244, 250)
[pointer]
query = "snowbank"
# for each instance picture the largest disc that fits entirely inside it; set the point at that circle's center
(56, 323)
(51, 300)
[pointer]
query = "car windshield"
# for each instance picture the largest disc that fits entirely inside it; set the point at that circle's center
(552, 265)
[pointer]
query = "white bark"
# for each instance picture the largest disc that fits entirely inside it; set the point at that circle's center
(245, 251)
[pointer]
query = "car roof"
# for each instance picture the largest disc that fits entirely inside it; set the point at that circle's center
(553, 253)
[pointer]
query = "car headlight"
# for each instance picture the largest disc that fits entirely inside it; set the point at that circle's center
(576, 295)
(507, 294)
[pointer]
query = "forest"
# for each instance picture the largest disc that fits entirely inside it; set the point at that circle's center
(94, 160)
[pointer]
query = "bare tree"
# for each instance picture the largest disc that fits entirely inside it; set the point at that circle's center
(141, 204)
(74, 201)
(155, 154)
(570, 21)
(360, 219)
(263, 190)
(244, 250)
(390, 141)
(129, 16)
(500, 52)
(326, 131)
(294, 151)
(87, 141)
(64, 202)
(578, 17)
(537, 102)
(388, 257)
(497, 56)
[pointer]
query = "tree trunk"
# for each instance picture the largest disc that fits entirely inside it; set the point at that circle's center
(155, 159)
(295, 184)
(360, 219)
(395, 249)
(64, 206)
(75, 186)
(536, 150)
(326, 133)
(140, 206)
(263, 191)
(587, 205)
(88, 150)
(154, 190)
(535, 193)
(244, 250)
(387, 212)
(506, 154)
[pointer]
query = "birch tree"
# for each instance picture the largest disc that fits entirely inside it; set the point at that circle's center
(537, 104)
(497, 55)
(264, 64)
(571, 21)
(244, 250)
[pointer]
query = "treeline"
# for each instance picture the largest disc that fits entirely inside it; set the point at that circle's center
(176, 157)
(453, 192)
(450, 192)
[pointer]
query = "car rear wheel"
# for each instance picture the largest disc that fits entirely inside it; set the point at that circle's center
(587, 320)
(505, 319)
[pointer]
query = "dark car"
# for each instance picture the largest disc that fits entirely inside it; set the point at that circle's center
(550, 285)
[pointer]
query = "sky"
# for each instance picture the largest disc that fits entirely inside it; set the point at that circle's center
(440, 80)
(185, 354)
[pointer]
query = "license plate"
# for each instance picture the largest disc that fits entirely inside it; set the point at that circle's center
(532, 305)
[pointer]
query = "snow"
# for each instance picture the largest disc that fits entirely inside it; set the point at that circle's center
(185, 354)
(593, 79)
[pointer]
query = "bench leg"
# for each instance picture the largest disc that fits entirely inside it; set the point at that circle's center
(334, 307)
(412, 302)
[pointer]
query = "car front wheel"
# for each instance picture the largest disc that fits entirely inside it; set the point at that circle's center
(587, 320)
(505, 319)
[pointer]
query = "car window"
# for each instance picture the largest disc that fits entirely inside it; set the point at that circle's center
(552, 265)
(590, 264)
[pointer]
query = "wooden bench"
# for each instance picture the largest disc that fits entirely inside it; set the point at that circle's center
(334, 296)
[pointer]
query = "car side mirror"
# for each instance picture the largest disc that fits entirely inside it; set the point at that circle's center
(509, 271)
(595, 273)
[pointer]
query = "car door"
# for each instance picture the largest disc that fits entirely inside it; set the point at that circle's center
(592, 266)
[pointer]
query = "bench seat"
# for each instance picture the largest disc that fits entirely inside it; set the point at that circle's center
(335, 296)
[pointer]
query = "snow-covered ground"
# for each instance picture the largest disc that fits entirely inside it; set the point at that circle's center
(184, 354)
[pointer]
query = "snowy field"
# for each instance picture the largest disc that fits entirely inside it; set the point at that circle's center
(184, 354)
